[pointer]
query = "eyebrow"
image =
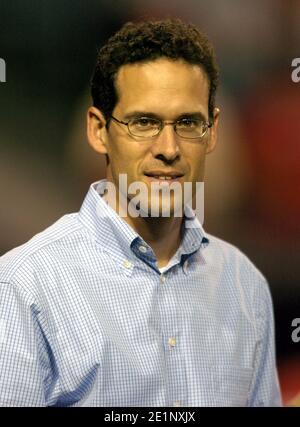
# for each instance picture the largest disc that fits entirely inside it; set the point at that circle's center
(192, 115)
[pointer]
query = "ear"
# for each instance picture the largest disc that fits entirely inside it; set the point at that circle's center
(213, 132)
(96, 130)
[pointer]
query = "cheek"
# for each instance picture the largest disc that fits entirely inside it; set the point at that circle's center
(126, 157)
(196, 160)
(119, 150)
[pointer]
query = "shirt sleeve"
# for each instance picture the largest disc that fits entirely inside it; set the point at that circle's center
(26, 373)
(265, 390)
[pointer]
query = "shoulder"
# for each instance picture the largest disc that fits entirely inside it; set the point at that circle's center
(232, 257)
(241, 285)
(20, 264)
(236, 266)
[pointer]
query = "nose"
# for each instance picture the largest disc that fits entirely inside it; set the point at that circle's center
(165, 146)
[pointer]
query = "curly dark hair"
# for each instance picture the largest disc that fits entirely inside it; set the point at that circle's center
(146, 41)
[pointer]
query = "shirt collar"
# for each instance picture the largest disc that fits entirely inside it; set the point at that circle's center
(117, 237)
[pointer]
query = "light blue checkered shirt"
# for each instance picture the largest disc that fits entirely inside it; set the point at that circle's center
(87, 319)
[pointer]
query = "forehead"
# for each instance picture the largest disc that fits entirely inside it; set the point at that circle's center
(162, 86)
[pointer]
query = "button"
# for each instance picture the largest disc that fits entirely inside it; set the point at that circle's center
(143, 249)
(172, 342)
(177, 403)
(162, 278)
(127, 263)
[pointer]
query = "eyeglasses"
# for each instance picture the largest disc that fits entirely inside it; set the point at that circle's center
(147, 127)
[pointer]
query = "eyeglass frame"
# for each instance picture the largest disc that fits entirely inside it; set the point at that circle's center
(163, 123)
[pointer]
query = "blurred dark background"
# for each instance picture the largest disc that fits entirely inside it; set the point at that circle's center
(253, 177)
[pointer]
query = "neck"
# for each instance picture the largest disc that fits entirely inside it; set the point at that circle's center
(162, 234)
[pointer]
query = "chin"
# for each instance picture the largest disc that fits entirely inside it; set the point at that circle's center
(165, 209)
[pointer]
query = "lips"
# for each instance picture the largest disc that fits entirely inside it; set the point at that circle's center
(164, 175)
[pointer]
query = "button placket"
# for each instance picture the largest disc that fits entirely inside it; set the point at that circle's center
(162, 278)
(185, 266)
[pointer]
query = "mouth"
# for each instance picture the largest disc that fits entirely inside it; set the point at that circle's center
(163, 177)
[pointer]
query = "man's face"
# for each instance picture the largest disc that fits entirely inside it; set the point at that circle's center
(168, 90)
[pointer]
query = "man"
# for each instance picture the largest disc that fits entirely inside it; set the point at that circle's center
(129, 302)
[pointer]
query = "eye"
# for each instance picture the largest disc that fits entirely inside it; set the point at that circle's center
(143, 122)
(188, 123)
